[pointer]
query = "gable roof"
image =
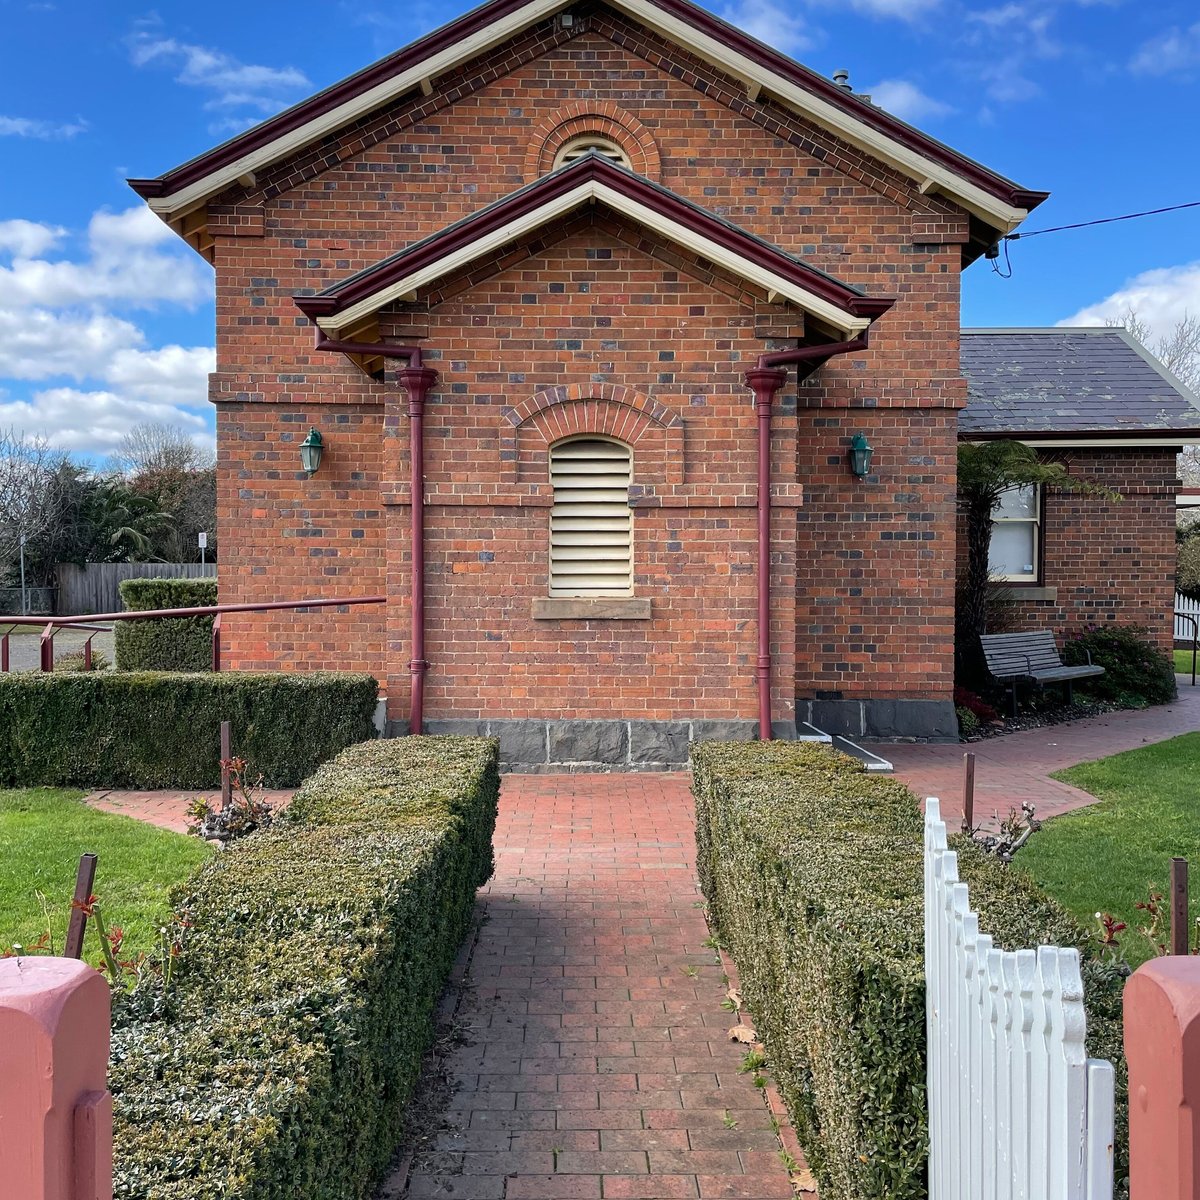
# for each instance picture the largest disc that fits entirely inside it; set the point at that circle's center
(999, 202)
(594, 178)
(1065, 385)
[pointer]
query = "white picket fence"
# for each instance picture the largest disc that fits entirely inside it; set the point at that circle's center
(1184, 629)
(1016, 1109)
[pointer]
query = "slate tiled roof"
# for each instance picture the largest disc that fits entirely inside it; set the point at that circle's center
(1041, 382)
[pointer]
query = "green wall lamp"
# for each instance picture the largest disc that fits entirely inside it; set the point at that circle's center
(311, 449)
(860, 456)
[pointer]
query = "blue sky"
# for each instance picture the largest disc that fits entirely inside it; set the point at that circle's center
(105, 320)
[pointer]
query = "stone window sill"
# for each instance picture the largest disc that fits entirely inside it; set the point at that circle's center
(1025, 591)
(588, 608)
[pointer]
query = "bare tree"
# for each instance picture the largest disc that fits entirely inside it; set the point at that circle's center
(29, 491)
(1179, 352)
(154, 446)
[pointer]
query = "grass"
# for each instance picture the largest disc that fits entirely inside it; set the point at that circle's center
(43, 831)
(1183, 664)
(1108, 857)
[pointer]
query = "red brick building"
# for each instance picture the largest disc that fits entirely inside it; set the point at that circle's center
(591, 271)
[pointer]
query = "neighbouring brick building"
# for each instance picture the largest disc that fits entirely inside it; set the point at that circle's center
(574, 265)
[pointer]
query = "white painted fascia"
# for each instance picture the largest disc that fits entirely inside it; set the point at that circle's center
(929, 175)
(346, 114)
(643, 215)
(1083, 442)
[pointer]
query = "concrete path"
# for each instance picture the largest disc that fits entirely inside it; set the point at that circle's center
(25, 651)
(1017, 767)
(596, 1060)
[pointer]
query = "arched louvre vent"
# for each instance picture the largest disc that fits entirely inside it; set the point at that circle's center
(576, 148)
(591, 524)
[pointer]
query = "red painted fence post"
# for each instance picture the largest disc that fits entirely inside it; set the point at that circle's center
(55, 1108)
(1162, 1047)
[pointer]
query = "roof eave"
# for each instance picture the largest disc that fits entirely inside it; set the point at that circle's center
(933, 165)
(590, 178)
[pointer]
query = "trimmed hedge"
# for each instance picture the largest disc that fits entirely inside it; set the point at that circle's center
(172, 644)
(813, 874)
(304, 997)
(152, 730)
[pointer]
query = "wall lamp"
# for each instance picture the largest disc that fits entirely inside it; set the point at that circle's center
(311, 449)
(860, 456)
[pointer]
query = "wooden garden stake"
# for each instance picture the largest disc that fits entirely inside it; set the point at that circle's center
(969, 793)
(226, 755)
(77, 923)
(1179, 906)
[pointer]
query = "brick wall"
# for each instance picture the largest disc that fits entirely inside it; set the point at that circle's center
(1109, 561)
(861, 570)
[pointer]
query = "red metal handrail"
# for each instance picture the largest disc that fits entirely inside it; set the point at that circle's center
(53, 624)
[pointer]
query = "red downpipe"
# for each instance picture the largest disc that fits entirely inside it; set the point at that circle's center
(765, 380)
(417, 380)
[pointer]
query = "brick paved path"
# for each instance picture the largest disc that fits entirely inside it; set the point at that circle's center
(168, 810)
(1017, 766)
(596, 1061)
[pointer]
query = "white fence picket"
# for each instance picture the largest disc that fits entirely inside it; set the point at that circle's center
(1183, 628)
(1016, 1109)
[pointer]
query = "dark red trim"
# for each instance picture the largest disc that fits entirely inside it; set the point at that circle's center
(479, 18)
(373, 280)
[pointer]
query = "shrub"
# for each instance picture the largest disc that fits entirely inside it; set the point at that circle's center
(813, 874)
(1136, 670)
(152, 730)
(1187, 566)
(74, 660)
(968, 722)
(283, 1058)
(172, 644)
(978, 706)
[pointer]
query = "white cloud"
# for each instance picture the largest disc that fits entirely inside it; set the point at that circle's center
(906, 10)
(232, 84)
(93, 422)
(1161, 297)
(906, 101)
(63, 325)
(29, 127)
(1172, 53)
(134, 259)
(28, 239)
(784, 30)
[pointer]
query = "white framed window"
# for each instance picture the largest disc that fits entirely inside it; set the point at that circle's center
(577, 147)
(1016, 548)
(591, 523)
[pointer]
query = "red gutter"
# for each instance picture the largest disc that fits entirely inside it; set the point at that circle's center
(765, 380)
(417, 380)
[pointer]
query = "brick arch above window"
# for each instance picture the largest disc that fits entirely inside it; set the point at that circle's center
(606, 409)
(605, 120)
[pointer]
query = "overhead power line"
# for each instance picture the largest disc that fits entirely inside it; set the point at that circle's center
(1152, 212)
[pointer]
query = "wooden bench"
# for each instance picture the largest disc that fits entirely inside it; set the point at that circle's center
(1012, 657)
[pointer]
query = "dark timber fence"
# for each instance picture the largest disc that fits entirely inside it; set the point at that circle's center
(94, 588)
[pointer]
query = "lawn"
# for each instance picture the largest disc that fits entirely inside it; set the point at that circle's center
(1183, 664)
(1106, 858)
(43, 831)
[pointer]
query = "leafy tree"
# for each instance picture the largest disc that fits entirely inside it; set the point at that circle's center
(123, 523)
(985, 471)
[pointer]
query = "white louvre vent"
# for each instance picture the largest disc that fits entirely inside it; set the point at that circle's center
(591, 524)
(576, 148)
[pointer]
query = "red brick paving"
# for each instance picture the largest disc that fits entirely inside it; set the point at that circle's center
(596, 1061)
(168, 810)
(1016, 767)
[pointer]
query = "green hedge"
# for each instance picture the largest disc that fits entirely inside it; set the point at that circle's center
(173, 644)
(304, 997)
(150, 730)
(812, 870)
